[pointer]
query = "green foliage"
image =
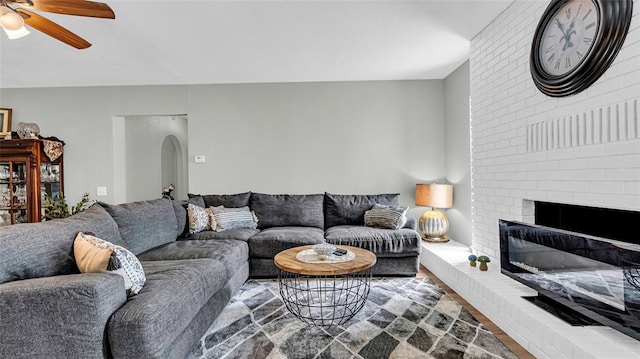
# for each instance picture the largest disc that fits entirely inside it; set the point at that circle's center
(58, 208)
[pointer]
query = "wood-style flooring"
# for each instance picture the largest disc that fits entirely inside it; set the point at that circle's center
(516, 348)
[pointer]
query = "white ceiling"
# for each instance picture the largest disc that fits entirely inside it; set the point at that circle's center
(210, 42)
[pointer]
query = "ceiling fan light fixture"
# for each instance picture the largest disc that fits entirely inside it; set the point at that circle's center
(16, 34)
(10, 20)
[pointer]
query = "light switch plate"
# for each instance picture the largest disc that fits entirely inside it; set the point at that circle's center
(101, 191)
(200, 159)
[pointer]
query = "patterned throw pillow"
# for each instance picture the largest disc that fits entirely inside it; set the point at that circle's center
(94, 255)
(234, 218)
(384, 216)
(200, 219)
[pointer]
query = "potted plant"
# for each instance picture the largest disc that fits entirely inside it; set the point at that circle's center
(57, 207)
(483, 262)
(472, 260)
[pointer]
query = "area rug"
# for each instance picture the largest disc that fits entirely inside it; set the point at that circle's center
(404, 318)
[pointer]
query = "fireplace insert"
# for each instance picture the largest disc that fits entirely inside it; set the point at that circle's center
(582, 279)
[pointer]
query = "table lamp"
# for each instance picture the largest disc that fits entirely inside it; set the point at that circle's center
(433, 224)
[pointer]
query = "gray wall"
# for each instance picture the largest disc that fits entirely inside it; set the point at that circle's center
(347, 137)
(457, 152)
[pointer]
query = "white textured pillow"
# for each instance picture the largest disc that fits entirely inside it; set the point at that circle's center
(383, 216)
(95, 255)
(234, 218)
(200, 219)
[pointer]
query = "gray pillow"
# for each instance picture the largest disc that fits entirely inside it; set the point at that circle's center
(383, 216)
(282, 210)
(227, 200)
(144, 225)
(343, 209)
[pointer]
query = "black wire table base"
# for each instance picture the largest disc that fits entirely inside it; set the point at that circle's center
(325, 300)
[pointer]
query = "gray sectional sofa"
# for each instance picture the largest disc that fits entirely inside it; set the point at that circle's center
(49, 310)
(286, 221)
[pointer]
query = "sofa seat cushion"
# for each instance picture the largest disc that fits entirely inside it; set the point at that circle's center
(382, 242)
(233, 254)
(241, 234)
(272, 241)
(174, 293)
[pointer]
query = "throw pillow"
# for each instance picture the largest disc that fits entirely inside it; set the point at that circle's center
(94, 255)
(385, 216)
(200, 219)
(234, 218)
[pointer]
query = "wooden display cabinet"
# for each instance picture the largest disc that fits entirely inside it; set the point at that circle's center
(26, 174)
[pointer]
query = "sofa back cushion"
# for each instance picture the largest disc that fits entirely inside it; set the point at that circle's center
(182, 216)
(281, 210)
(35, 250)
(227, 200)
(144, 225)
(348, 209)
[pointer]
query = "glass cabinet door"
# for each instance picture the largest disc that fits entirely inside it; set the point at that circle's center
(13, 193)
(50, 183)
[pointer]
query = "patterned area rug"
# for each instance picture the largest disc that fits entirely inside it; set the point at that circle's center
(403, 318)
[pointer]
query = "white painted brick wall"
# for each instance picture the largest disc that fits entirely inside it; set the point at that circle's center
(516, 152)
(525, 146)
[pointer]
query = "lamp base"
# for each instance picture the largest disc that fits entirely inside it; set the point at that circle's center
(434, 226)
(442, 239)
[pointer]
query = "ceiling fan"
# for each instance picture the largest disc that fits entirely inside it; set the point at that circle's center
(14, 14)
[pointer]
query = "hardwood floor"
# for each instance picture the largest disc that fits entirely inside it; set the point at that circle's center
(516, 348)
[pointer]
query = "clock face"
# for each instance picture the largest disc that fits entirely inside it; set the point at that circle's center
(568, 37)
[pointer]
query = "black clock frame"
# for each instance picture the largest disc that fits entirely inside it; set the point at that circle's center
(615, 20)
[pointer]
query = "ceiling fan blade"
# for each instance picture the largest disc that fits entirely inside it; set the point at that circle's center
(73, 7)
(52, 29)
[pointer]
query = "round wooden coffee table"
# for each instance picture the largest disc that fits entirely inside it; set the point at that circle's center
(325, 292)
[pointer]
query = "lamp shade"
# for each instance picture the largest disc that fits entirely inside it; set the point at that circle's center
(434, 195)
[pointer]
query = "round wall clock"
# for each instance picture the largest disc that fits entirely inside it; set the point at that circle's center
(575, 42)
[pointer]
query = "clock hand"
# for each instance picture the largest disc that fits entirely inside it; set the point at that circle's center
(566, 34)
(561, 27)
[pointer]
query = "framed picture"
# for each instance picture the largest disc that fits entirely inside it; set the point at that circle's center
(5, 122)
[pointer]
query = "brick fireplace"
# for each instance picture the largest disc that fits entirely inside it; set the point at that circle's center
(525, 147)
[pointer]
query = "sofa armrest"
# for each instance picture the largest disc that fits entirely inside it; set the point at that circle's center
(58, 317)
(412, 223)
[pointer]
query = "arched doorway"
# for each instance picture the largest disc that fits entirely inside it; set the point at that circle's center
(150, 152)
(173, 166)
